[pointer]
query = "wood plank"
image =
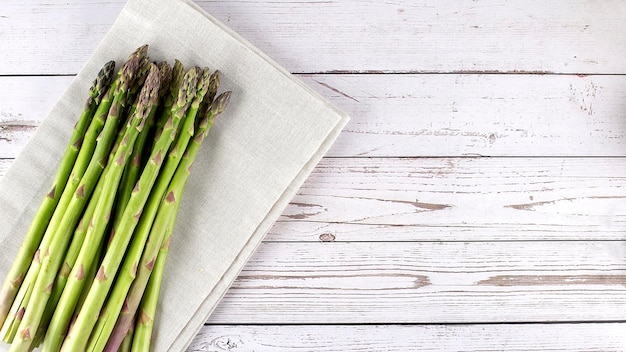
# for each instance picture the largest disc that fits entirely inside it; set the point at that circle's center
(490, 115)
(24, 103)
(429, 282)
(525, 198)
(582, 36)
(456, 199)
(412, 338)
(418, 115)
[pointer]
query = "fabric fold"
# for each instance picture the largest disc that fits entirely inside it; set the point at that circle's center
(260, 151)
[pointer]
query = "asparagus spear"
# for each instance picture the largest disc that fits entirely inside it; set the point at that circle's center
(131, 173)
(128, 341)
(80, 165)
(178, 72)
(70, 259)
(78, 335)
(83, 160)
(106, 320)
(153, 260)
(74, 250)
(100, 218)
(132, 96)
(142, 334)
(37, 228)
(52, 256)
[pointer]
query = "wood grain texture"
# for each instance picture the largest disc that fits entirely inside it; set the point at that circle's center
(429, 282)
(24, 102)
(606, 337)
(552, 198)
(579, 36)
(418, 115)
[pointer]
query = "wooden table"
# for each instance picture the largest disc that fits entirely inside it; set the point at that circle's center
(475, 201)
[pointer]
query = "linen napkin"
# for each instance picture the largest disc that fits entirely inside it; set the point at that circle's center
(259, 152)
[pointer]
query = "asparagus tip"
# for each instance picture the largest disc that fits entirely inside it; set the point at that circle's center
(166, 77)
(140, 52)
(213, 85)
(129, 70)
(220, 103)
(102, 82)
(149, 93)
(188, 88)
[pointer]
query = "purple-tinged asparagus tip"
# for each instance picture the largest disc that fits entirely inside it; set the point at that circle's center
(220, 103)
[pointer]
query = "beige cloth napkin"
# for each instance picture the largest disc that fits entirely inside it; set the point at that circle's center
(258, 154)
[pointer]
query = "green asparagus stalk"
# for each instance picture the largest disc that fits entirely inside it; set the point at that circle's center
(150, 270)
(78, 335)
(70, 259)
(37, 228)
(74, 250)
(148, 305)
(128, 341)
(89, 276)
(100, 219)
(53, 255)
(80, 165)
(132, 171)
(127, 273)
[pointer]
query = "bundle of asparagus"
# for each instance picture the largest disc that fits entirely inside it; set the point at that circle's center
(88, 273)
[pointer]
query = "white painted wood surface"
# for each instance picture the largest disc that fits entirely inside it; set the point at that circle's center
(580, 36)
(404, 239)
(412, 338)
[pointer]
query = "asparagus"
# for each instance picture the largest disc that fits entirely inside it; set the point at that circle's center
(178, 73)
(97, 227)
(74, 249)
(37, 228)
(147, 308)
(83, 160)
(53, 255)
(131, 173)
(69, 261)
(128, 342)
(68, 279)
(78, 335)
(80, 165)
(153, 260)
(127, 272)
